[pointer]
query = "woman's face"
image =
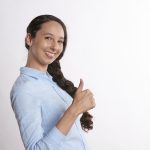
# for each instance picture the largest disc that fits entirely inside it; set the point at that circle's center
(46, 46)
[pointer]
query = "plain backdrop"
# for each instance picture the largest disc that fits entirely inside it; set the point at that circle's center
(108, 47)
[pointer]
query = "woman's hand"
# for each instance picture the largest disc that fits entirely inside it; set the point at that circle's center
(83, 99)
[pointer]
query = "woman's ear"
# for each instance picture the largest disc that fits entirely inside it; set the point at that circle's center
(28, 39)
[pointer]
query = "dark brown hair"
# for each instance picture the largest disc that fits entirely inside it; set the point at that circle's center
(54, 69)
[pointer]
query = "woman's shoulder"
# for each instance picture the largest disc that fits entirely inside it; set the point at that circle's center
(24, 84)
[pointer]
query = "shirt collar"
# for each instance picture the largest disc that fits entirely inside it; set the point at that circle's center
(34, 73)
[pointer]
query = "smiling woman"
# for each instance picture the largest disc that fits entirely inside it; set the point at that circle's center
(46, 104)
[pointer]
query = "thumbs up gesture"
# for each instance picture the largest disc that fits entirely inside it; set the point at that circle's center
(83, 99)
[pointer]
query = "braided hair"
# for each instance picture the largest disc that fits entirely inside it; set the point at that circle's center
(54, 69)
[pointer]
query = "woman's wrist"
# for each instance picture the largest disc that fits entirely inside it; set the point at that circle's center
(73, 111)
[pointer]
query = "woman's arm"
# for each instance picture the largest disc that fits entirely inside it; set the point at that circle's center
(27, 109)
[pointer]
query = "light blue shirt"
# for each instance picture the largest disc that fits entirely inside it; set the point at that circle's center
(38, 104)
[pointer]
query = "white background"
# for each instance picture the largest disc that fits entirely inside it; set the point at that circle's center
(108, 46)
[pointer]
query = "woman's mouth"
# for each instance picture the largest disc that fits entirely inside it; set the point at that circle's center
(49, 54)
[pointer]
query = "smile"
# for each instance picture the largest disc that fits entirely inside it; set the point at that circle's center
(49, 54)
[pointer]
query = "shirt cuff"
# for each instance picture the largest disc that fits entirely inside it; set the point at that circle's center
(56, 136)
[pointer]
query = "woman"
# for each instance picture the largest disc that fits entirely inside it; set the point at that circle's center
(47, 105)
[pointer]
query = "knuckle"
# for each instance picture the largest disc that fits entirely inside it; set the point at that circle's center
(89, 91)
(93, 102)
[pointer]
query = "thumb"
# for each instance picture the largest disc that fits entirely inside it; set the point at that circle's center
(80, 87)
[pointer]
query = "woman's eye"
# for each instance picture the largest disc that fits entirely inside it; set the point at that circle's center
(60, 42)
(48, 38)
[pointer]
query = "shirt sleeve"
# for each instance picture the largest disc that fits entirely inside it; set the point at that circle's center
(27, 110)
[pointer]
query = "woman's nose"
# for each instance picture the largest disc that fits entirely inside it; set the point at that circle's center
(54, 45)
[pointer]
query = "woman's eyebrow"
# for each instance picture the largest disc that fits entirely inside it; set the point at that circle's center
(48, 33)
